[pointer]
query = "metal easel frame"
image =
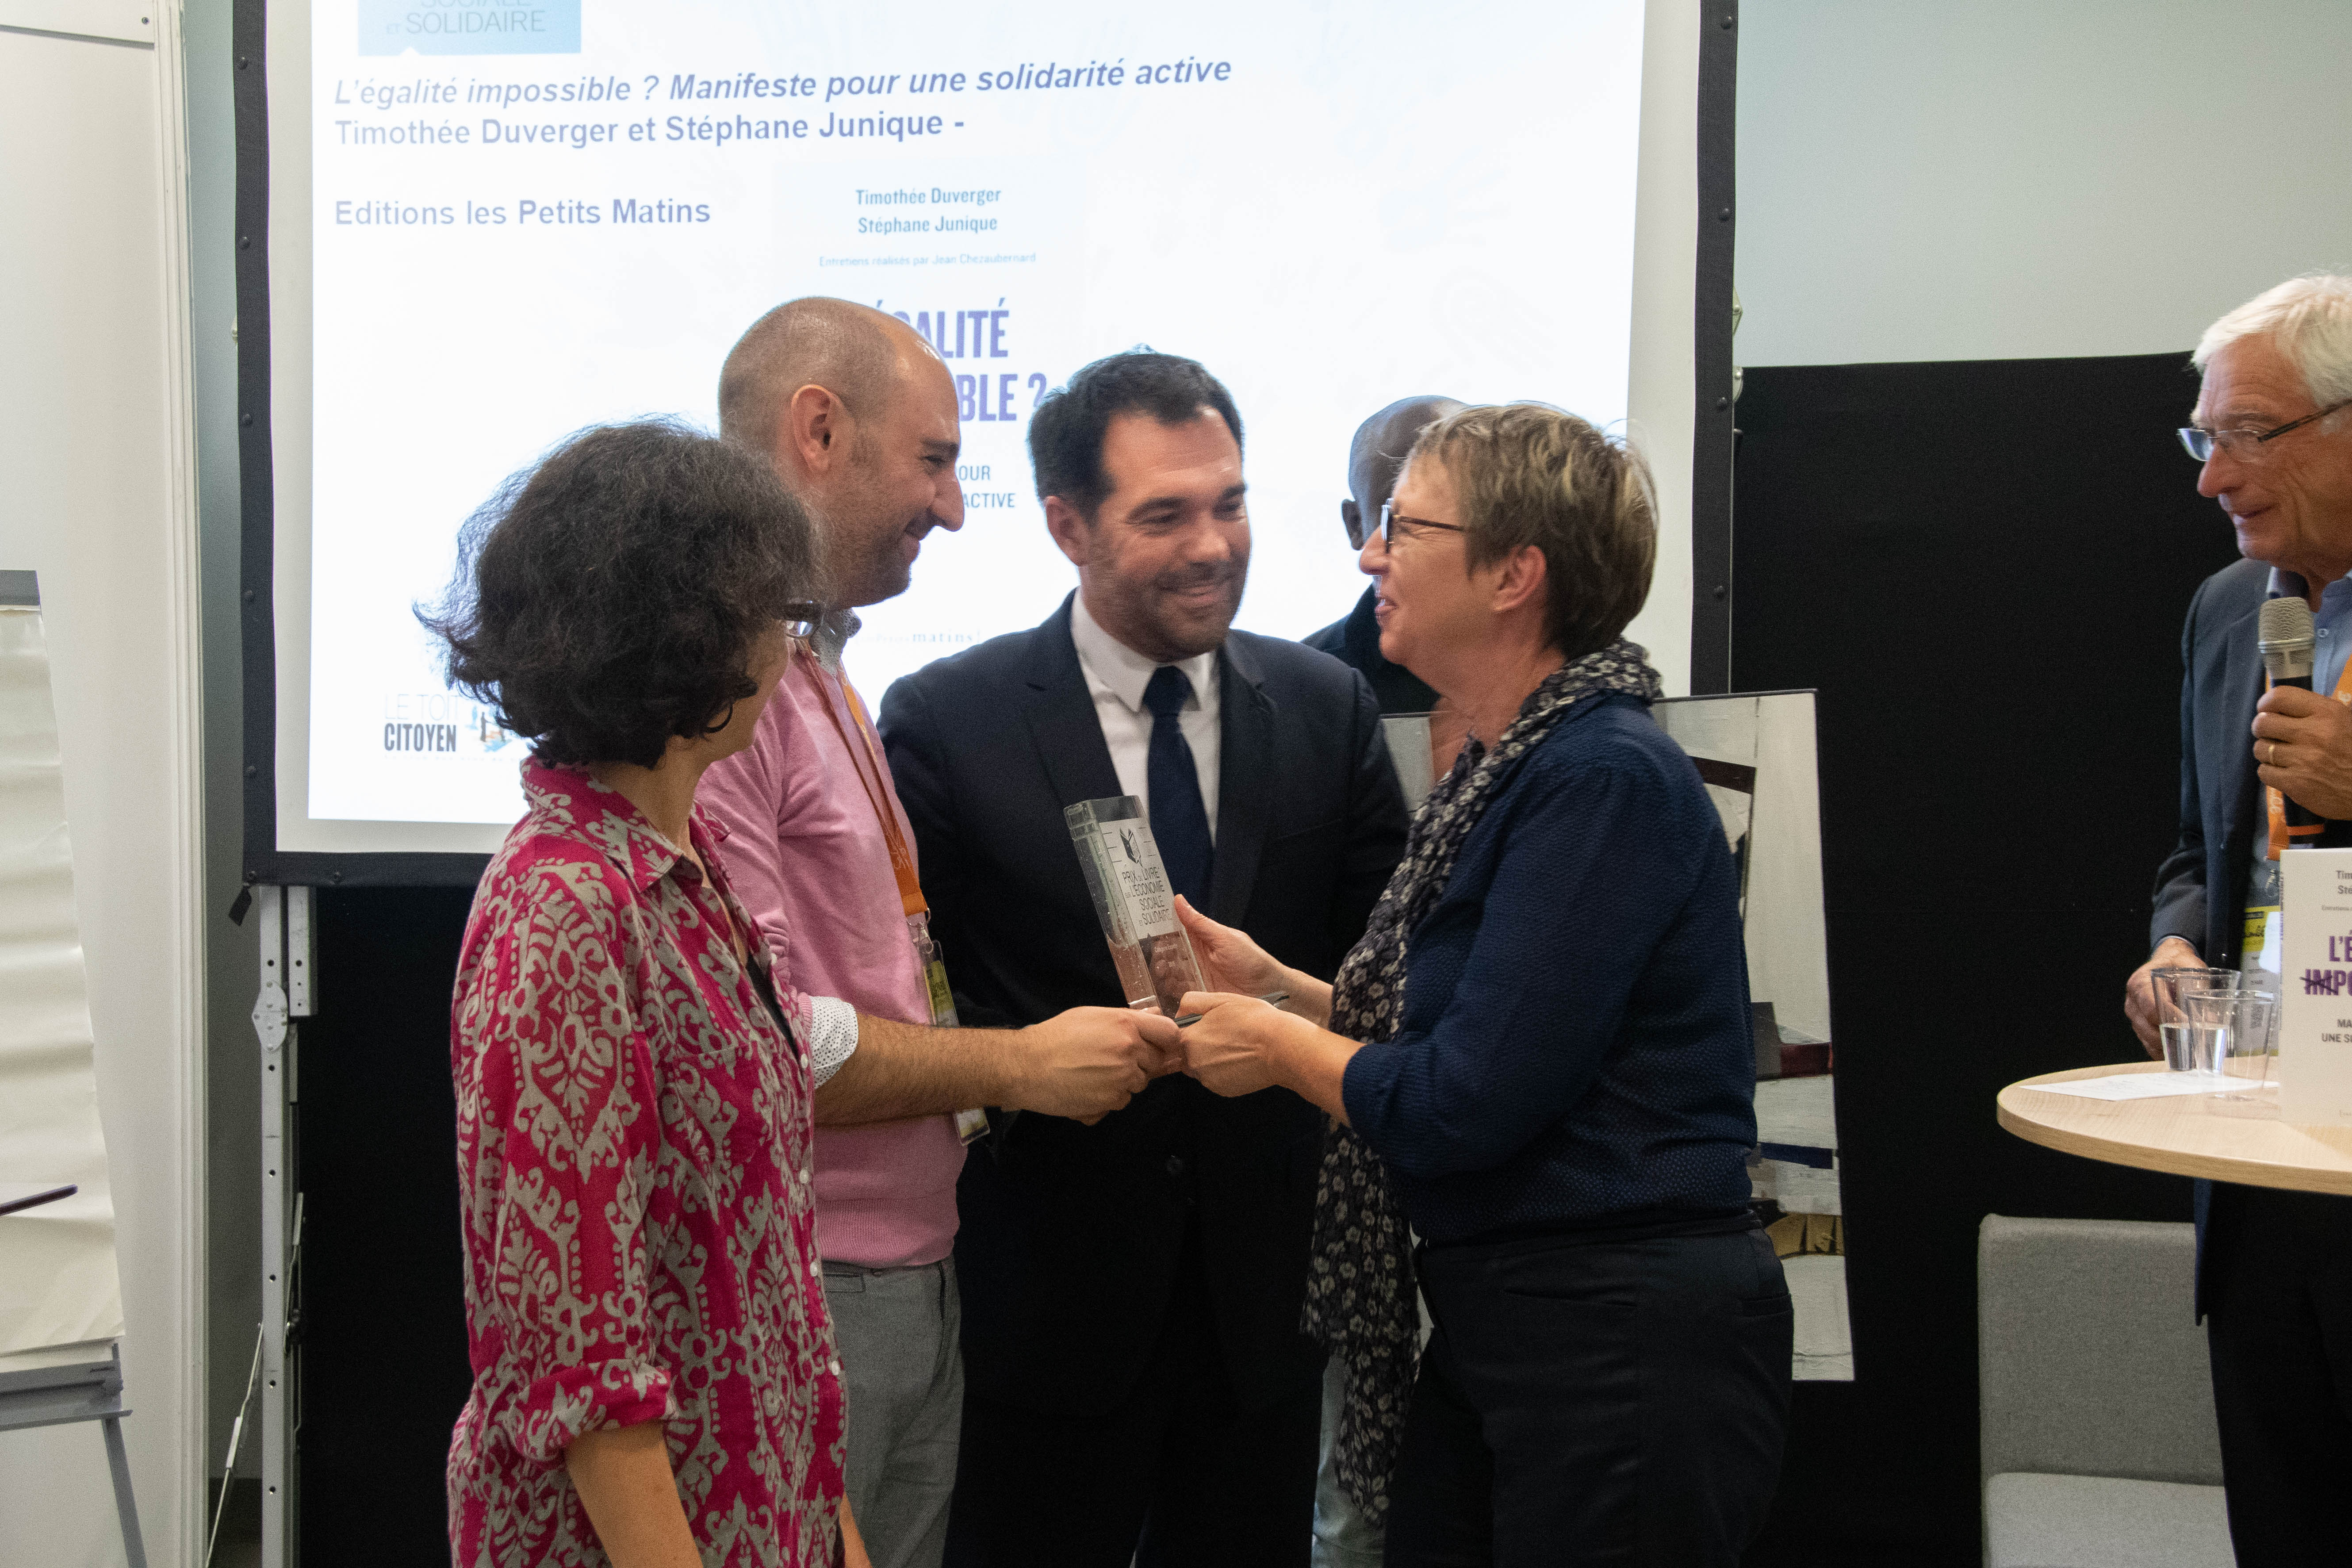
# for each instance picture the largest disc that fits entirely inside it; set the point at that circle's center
(288, 959)
(88, 1390)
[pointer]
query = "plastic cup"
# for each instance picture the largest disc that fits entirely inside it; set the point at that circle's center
(2254, 1046)
(2173, 987)
(2212, 1019)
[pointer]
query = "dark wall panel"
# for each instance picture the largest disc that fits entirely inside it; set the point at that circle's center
(383, 1315)
(1983, 568)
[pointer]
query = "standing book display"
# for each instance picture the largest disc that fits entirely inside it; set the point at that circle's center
(2314, 1039)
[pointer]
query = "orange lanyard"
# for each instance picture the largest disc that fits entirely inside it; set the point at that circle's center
(2281, 834)
(970, 1125)
(902, 858)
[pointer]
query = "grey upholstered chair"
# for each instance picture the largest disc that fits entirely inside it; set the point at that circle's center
(2099, 1445)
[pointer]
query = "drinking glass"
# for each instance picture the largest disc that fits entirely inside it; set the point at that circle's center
(2173, 987)
(2254, 1047)
(2212, 1019)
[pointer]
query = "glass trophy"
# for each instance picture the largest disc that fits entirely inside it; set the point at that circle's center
(1137, 907)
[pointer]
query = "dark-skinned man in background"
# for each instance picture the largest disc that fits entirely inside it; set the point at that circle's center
(1375, 457)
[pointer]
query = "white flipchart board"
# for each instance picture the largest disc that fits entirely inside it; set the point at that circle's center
(58, 1280)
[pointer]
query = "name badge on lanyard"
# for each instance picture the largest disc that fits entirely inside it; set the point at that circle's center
(969, 1124)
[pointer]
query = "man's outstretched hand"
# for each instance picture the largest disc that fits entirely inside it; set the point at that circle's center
(1090, 1061)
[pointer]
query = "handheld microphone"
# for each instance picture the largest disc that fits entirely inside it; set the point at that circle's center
(2288, 643)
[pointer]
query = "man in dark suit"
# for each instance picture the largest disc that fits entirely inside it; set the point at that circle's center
(1375, 457)
(1138, 1383)
(2274, 430)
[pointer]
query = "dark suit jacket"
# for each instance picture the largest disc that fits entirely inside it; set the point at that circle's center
(2200, 888)
(1356, 642)
(1070, 1235)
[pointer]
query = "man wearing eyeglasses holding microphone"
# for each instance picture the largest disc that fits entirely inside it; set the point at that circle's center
(2272, 428)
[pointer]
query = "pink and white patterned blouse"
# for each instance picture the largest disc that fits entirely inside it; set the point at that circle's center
(633, 1159)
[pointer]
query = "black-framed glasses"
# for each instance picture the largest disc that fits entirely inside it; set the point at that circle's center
(800, 618)
(1358, 535)
(2239, 444)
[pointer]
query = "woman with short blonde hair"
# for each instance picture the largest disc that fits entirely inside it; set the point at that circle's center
(1538, 1057)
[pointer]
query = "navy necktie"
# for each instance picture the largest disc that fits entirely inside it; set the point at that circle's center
(1180, 823)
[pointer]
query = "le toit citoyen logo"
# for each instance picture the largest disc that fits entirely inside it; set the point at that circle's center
(469, 27)
(441, 723)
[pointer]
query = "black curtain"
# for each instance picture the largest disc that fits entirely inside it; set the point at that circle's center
(1983, 568)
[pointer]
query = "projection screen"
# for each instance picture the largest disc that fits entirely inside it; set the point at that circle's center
(487, 225)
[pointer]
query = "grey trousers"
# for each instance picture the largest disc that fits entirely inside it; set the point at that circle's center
(1342, 1538)
(897, 1332)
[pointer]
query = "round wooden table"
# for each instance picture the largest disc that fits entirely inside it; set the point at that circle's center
(2188, 1134)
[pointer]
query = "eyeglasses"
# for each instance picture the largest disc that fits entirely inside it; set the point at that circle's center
(1358, 535)
(800, 618)
(2240, 443)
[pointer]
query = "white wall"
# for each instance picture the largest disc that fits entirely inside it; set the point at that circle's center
(2031, 178)
(1658, 403)
(97, 495)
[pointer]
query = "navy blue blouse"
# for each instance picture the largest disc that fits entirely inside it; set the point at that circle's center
(1575, 1051)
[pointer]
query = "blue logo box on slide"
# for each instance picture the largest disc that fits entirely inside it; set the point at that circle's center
(469, 27)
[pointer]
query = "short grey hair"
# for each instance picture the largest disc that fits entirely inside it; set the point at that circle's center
(2310, 319)
(1527, 474)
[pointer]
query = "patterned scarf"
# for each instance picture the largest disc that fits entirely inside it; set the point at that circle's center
(1360, 1292)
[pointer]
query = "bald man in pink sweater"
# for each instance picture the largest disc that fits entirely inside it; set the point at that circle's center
(860, 418)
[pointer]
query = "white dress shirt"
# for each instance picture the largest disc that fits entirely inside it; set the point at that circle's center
(1117, 675)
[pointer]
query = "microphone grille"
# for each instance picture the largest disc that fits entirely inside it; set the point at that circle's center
(2287, 620)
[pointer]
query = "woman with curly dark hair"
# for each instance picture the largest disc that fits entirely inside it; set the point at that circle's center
(654, 1379)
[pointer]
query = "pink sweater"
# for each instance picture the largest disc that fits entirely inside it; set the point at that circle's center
(808, 859)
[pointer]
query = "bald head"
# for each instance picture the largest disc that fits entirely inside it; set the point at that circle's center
(853, 351)
(859, 416)
(1377, 455)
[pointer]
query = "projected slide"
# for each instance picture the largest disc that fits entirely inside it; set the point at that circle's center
(527, 218)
